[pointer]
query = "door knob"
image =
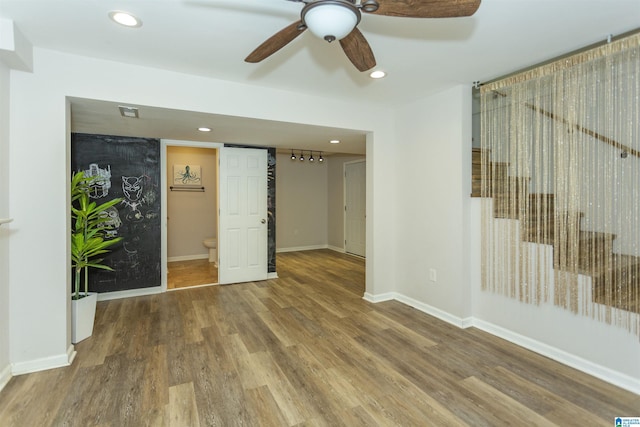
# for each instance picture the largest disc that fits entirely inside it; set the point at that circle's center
(263, 220)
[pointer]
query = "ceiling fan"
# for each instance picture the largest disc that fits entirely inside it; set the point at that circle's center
(338, 19)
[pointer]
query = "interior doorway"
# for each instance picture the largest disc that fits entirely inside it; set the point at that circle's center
(191, 214)
(355, 222)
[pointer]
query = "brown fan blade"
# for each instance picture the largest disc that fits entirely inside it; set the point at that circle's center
(358, 51)
(276, 42)
(427, 8)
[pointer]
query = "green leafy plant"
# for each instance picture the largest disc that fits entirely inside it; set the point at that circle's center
(88, 232)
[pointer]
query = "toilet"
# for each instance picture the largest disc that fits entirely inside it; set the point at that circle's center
(211, 243)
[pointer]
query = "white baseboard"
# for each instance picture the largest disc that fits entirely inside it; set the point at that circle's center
(302, 248)
(336, 249)
(44, 363)
(187, 257)
(273, 275)
(106, 296)
(605, 374)
(431, 310)
(311, 248)
(389, 296)
(71, 353)
(5, 376)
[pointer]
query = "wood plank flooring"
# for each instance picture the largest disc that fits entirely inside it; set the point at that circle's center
(183, 274)
(304, 349)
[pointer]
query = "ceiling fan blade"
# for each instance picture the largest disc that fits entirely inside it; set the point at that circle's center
(276, 42)
(427, 8)
(358, 51)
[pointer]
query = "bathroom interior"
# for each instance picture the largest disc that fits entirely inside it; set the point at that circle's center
(192, 221)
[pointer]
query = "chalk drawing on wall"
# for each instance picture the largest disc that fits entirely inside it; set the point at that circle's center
(132, 187)
(101, 180)
(130, 169)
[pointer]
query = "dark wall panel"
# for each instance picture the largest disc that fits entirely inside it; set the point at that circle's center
(131, 167)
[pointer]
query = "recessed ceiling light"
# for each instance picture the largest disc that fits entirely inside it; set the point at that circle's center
(204, 129)
(378, 74)
(335, 141)
(125, 18)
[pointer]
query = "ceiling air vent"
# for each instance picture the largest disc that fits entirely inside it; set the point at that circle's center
(130, 112)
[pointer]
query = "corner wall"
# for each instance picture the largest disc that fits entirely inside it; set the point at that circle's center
(301, 204)
(433, 164)
(5, 230)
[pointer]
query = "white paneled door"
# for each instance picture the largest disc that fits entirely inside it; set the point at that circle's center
(242, 240)
(355, 229)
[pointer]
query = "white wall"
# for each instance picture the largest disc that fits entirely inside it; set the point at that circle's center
(301, 203)
(38, 125)
(433, 181)
(5, 229)
(192, 215)
(335, 206)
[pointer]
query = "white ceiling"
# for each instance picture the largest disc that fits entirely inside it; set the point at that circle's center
(212, 38)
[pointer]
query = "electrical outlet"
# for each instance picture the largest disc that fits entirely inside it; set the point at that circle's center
(432, 274)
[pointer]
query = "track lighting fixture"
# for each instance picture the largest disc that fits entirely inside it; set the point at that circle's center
(311, 158)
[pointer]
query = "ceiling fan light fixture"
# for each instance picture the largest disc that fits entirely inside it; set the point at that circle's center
(331, 19)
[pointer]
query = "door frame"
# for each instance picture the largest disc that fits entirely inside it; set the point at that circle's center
(344, 204)
(164, 144)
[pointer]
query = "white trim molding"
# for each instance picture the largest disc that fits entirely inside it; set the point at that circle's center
(389, 296)
(336, 249)
(273, 275)
(5, 376)
(44, 363)
(301, 248)
(106, 296)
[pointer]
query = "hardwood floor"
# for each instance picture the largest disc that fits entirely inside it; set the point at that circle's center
(304, 349)
(183, 274)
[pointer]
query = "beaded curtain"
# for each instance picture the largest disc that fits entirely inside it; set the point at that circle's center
(561, 187)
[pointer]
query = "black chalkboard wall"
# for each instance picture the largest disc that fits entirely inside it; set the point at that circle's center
(133, 168)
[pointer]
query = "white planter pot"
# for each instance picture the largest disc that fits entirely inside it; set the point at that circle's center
(83, 313)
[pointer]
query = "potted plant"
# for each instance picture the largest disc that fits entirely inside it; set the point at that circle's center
(89, 224)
